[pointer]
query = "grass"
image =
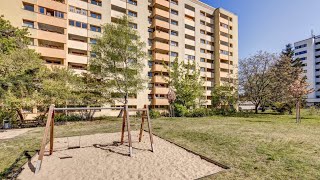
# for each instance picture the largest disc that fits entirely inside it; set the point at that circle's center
(264, 146)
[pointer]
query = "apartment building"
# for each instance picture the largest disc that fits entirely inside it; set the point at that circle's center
(63, 31)
(308, 51)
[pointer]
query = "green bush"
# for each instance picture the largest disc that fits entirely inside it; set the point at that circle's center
(154, 114)
(199, 112)
(180, 110)
(67, 118)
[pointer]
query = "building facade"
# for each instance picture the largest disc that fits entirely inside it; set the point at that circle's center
(63, 31)
(308, 51)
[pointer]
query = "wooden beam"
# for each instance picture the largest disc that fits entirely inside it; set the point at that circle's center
(51, 133)
(44, 139)
(142, 123)
(123, 126)
(150, 129)
(128, 129)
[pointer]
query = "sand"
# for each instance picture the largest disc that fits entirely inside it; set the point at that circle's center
(11, 133)
(101, 157)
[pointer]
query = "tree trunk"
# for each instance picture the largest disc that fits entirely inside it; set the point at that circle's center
(298, 111)
(256, 109)
(125, 103)
(20, 115)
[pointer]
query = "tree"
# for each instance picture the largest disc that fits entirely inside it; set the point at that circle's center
(119, 60)
(21, 73)
(223, 97)
(255, 78)
(298, 89)
(12, 38)
(186, 83)
(289, 52)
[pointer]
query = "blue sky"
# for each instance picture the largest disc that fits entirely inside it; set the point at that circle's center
(270, 24)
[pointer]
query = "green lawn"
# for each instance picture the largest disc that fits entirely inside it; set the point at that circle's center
(264, 146)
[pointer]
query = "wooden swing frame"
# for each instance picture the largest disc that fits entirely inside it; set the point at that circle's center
(125, 123)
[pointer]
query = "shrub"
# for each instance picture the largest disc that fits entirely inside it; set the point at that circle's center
(67, 118)
(154, 114)
(312, 111)
(199, 112)
(180, 110)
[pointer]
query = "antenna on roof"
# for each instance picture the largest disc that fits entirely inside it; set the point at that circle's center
(312, 35)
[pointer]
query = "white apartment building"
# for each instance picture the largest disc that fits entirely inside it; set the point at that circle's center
(308, 51)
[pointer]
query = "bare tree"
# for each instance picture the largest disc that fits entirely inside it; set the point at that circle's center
(255, 78)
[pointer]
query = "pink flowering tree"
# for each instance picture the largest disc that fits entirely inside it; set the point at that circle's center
(299, 89)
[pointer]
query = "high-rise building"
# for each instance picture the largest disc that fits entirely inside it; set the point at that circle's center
(63, 30)
(308, 51)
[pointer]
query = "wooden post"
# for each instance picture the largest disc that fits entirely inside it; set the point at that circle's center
(128, 129)
(44, 139)
(150, 129)
(51, 133)
(123, 126)
(142, 123)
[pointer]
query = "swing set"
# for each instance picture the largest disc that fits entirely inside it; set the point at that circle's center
(125, 123)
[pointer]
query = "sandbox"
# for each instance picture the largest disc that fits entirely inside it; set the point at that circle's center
(102, 157)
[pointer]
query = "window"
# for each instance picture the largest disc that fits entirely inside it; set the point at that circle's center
(224, 52)
(202, 50)
(224, 25)
(84, 25)
(72, 9)
(189, 27)
(28, 7)
(78, 24)
(202, 13)
(174, 12)
(133, 14)
(95, 15)
(174, 33)
(202, 60)
(189, 57)
(174, 54)
(41, 10)
(28, 24)
(174, 2)
(202, 32)
(299, 53)
(132, 2)
(303, 58)
(202, 41)
(95, 28)
(58, 14)
(93, 55)
(202, 22)
(71, 22)
(202, 69)
(83, 12)
(133, 25)
(93, 41)
(150, 30)
(174, 43)
(174, 22)
(224, 43)
(301, 46)
(95, 2)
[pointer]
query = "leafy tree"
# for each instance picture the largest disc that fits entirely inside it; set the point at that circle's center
(186, 82)
(119, 60)
(21, 73)
(289, 53)
(223, 97)
(11, 38)
(298, 89)
(255, 78)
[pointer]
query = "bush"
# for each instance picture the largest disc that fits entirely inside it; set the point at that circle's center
(312, 111)
(199, 112)
(154, 114)
(67, 118)
(180, 110)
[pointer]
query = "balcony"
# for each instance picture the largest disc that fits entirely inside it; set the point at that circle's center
(53, 5)
(77, 59)
(160, 90)
(45, 19)
(77, 31)
(160, 34)
(160, 46)
(158, 68)
(160, 12)
(160, 101)
(79, 4)
(51, 52)
(78, 45)
(159, 23)
(161, 57)
(51, 36)
(162, 3)
(120, 3)
(159, 79)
